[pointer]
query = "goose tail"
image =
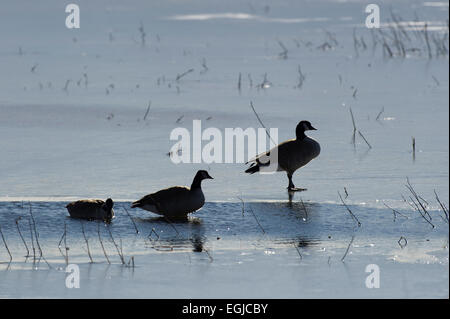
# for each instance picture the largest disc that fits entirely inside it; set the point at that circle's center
(252, 169)
(136, 204)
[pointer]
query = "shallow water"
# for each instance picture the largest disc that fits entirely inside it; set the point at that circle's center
(90, 141)
(297, 246)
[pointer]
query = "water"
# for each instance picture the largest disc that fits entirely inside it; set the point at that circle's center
(91, 141)
(268, 245)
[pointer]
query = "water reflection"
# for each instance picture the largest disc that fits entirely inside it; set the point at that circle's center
(197, 243)
(188, 233)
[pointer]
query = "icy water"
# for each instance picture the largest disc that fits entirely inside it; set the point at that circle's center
(72, 126)
(228, 250)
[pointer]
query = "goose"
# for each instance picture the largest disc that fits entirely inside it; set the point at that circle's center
(92, 209)
(292, 154)
(177, 201)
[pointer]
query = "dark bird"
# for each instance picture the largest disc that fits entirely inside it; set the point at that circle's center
(289, 155)
(175, 201)
(92, 209)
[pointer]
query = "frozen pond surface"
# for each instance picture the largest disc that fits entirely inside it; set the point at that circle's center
(71, 126)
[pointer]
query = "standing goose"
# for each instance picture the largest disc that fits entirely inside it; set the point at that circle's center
(176, 201)
(92, 209)
(292, 154)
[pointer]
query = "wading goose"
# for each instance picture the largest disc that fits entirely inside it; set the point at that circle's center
(292, 154)
(92, 209)
(177, 201)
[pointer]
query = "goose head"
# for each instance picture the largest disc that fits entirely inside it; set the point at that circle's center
(303, 126)
(201, 175)
(107, 207)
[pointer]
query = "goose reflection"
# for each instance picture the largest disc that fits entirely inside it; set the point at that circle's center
(197, 242)
(303, 242)
(188, 233)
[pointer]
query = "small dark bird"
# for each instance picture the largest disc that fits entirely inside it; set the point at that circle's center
(290, 155)
(177, 201)
(92, 209)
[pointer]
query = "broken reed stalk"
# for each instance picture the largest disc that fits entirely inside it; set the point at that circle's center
(179, 76)
(395, 212)
(115, 244)
(418, 198)
(21, 236)
(360, 134)
(179, 119)
(387, 49)
(425, 33)
(407, 202)
(36, 234)
(257, 221)
(304, 208)
(348, 209)
(260, 122)
(150, 235)
(355, 42)
(121, 246)
(435, 80)
(209, 255)
(131, 261)
(283, 54)
(204, 66)
(134, 224)
(414, 148)
(172, 225)
(419, 205)
(444, 209)
(239, 82)
(354, 127)
(101, 243)
(243, 206)
(301, 77)
(148, 110)
(397, 20)
(32, 240)
(87, 241)
(143, 34)
(298, 251)
(379, 114)
(63, 235)
(6, 245)
(35, 231)
(348, 248)
(420, 212)
(65, 244)
(250, 80)
(265, 83)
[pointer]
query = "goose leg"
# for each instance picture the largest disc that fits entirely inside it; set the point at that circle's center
(291, 187)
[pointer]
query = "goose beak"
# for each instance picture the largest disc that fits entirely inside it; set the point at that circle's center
(313, 128)
(208, 176)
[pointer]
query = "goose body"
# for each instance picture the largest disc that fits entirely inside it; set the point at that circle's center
(290, 155)
(92, 209)
(294, 154)
(175, 201)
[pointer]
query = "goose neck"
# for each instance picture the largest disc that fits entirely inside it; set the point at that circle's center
(196, 183)
(300, 135)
